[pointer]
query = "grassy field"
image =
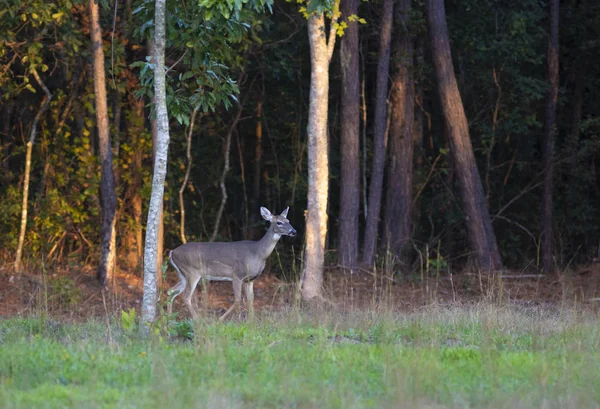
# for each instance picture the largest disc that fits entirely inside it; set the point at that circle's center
(478, 356)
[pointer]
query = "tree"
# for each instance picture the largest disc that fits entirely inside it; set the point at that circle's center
(349, 145)
(160, 166)
(379, 129)
(548, 146)
(32, 134)
(479, 225)
(108, 196)
(321, 50)
(399, 197)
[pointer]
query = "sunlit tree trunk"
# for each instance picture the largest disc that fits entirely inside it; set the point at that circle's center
(379, 125)
(32, 134)
(548, 147)
(321, 49)
(399, 197)
(479, 225)
(108, 197)
(154, 128)
(350, 144)
(160, 168)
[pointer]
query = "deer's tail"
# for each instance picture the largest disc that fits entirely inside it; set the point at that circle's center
(180, 286)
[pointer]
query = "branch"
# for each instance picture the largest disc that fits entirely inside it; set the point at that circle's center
(188, 155)
(176, 62)
(225, 171)
(335, 15)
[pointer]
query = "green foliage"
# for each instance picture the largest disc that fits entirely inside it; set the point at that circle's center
(129, 320)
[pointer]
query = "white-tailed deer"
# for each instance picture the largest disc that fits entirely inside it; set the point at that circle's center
(239, 262)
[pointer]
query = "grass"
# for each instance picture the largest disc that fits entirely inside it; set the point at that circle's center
(477, 356)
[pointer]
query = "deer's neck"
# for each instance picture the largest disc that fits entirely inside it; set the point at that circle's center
(268, 242)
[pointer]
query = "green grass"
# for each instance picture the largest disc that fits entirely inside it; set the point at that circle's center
(460, 357)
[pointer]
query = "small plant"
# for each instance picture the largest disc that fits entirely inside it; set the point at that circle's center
(128, 320)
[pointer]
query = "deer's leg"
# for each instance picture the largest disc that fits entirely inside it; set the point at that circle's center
(249, 288)
(237, 294)
(177, 288)
(192, 283)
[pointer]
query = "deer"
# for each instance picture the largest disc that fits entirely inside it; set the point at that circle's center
(240, 262)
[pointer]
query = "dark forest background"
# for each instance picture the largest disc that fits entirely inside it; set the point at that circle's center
(238, 87)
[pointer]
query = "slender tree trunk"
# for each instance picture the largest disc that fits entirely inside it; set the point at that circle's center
(33, 132)
(154, 127)
(379, 127)
(321, 49)
(350, 142)
(255, 198)
(226, 155)
(108, 197)
(398, 209)
(479, 225)
(550, 130)
(160, 168)
(188, 155)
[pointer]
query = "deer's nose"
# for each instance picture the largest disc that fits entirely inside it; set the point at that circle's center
(293, 232)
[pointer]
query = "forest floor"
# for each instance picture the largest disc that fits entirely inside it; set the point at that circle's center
(74, 294)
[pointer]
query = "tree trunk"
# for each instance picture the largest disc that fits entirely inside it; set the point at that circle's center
(108, 197)
(133, 240)
(350, 144)
(160, 169)
(398, 209)
(321, 49)
(257, 164)
(479, 226)
(36, 120)
(379, 121)
(154, 127)
(550, 130)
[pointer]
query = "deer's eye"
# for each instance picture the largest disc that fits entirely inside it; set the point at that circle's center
(280, 223)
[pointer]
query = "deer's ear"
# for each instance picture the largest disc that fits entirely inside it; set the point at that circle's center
(265, 213)
(285, 212)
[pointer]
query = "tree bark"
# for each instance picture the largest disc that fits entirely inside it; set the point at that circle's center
(479, 226)
(550, 130)
(321, 49)
(398, 209)
(133, 243)
(160, 168)
(379, 120)
(350, 143)
(33, 132)
(154, 128)
(108, 197)
(257, 164)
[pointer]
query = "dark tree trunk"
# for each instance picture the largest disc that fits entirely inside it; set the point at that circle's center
(398, 209)
(548, 146)
(350, 123)
(108, 195)
(133, 239)
(479, 225)
(379, 121)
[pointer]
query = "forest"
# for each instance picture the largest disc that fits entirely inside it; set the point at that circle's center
(399, 132)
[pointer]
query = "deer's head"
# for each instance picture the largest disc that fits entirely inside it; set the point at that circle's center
(281, 225)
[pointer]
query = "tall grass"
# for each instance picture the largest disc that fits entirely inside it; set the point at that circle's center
(470, 356)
